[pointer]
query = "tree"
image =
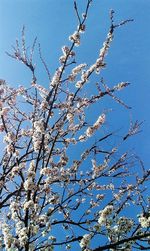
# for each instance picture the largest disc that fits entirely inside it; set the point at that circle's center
(52, 198)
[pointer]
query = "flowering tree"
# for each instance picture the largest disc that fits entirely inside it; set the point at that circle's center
(61, 184)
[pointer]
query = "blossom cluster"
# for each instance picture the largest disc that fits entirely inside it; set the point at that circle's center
(75, 71)
(120, 86)
(38, 131)
(67, 54)
(85, 241)
(144, 219)
(56, 78)
(8, 238)
(75, 38)
(42, 91)
(103, 214)
(100, 121)
(29, 182)
(97, 168)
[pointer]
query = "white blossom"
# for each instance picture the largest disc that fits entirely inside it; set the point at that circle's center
(104, 213)
(28, 205)
(85, 241)
(29, 184)
(144, 220)
(75, 37)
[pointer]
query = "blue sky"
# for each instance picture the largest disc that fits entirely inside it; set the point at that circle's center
(53, 21)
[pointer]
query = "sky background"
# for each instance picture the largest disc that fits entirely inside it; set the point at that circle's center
(52, 21)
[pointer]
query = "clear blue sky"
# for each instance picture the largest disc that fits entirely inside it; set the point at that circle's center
(53, 21)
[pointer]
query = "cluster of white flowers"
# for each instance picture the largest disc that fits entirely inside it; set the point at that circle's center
(105, 187)
(85, 241)
(103, 214)
(124, 224)
(56, 77)
(14, 207)
(15, 171)
(42, 91)
(75, 71)
(75, 37)
(22, 233)
(65, 50)
(78, 69)
(83, 102)
(28, 205)
(118, 196)
(39, 126)
(21, 230)
(144, 219)
(63, 159)
(100, 196)
(52, 173)
(66, 54)
(44, 105)
(20, 90)
(10, 148)
(26, 132)
(70, 117)
(29, 182)
(121, 86)
(31, 169)
(127, 248)
(23, 237)
(8, 239)
(74, 128)
(99, 64)
(84, 76)
(34, 228)
(54, 199)
(52, 238)
(89, 131)
(79, 84)
(43, 219)
(10, 137)
(2, 127)
(120, 230)
(4, 111)
(97, 168)
(82, 138)
(106, 45)
(37, 134)
(100, 121)
(45, 171)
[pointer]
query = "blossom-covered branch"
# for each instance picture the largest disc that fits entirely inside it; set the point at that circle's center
(63, 182)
